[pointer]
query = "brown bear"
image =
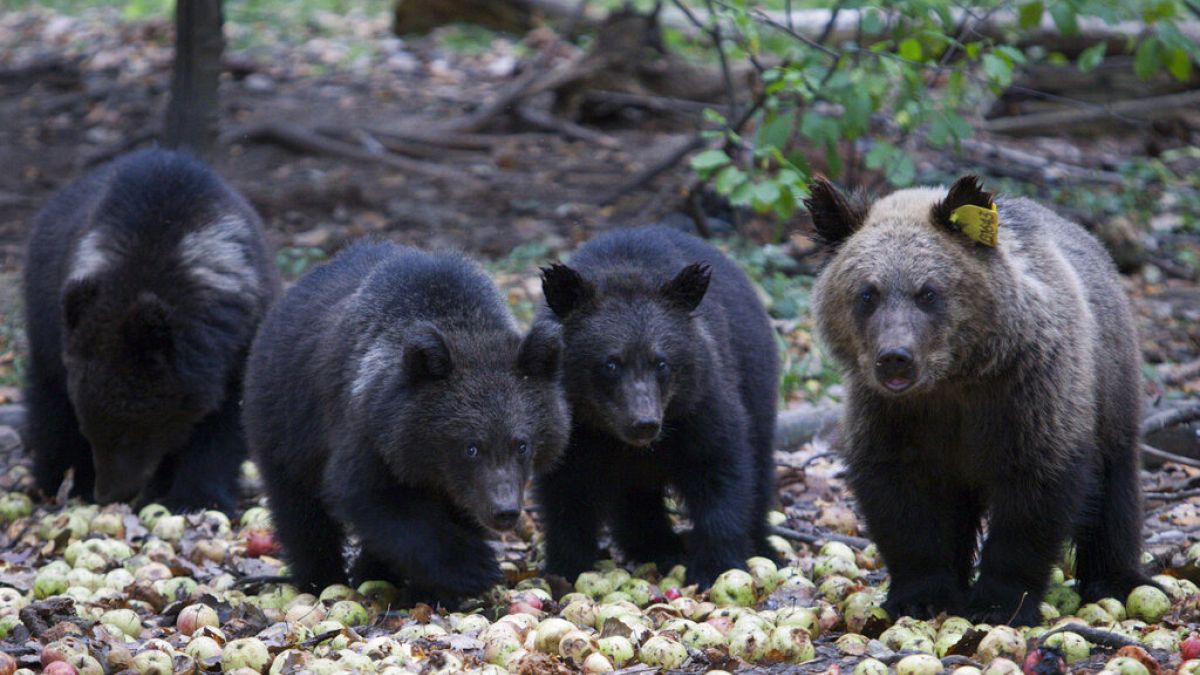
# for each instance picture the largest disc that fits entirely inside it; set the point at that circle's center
(991, 369)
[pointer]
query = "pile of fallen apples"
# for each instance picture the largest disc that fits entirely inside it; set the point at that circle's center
(103, 590)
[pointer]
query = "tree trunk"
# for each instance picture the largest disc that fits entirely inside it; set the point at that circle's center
(507, 16)
(193, 112)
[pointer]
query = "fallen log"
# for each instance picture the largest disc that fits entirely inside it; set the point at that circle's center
(300, 139)
(1057, 122)
(828, 26)
(508, 16)
(1028, 166)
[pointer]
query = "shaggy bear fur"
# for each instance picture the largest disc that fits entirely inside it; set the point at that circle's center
(144, 283)
(389, 392)
(999, 382)
(671, 370)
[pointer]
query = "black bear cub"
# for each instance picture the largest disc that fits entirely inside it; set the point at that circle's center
(389, 392)
(671, 371)
(991, 368)
(144, 283)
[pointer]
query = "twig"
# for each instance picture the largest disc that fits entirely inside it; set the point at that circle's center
(960, 660)
(1180, 372)
(819, 537)
(502, 101)
(718, 42)
(318, 639)
(262, 580)
(531, 83)
(548, 122)
(653, 170)
(1141, 109)
(659, 104)
(1169, 456)
(373, 143)
(1100, 637)
(815, 458)
(298, 138)
(696, 211)
(1172, 496)
(1183, 414)
(439, 138)
(1021, 164)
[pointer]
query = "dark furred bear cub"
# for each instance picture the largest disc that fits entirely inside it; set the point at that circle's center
(982, 379)
(671, 370)
(144, 283)
(389, 391)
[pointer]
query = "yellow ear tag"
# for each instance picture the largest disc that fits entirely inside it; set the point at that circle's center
(978, 223)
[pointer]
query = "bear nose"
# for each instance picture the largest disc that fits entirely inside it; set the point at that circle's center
(646, 427)
(897, 359)
(894, 367)
(506, 519)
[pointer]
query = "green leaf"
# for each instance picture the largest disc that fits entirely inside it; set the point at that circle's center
(729, 179)
(714, 117)
(777, 129)
(902, 171)
(997, 69)
(819, 128)
(1179, 64)
(786, 205)
(1092, 56)
(872, 21)
(742, 194)
(1030, 15)
(879, 154)
(910, 49)
(765, 195)
(1014, 55)
(939, 132)
(973, 49)
(709, 160)
(1147, 58)
(856, 106)
(1065, 18)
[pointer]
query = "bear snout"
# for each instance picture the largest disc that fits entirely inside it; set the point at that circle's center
(504, 504)
(896, 369)
(644, 430)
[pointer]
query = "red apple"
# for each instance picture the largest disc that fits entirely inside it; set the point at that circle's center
(1190, 648)
(260, 542)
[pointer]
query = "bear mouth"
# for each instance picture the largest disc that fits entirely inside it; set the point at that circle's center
(898, 384)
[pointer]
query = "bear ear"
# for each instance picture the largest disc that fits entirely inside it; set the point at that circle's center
(835, 217)
(147, 326)
(77, 297)
(565, 289)
(540, 352)
(426, 356)
(688, 287)
(966, 191)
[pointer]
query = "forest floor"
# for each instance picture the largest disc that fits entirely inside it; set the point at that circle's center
(78, 89)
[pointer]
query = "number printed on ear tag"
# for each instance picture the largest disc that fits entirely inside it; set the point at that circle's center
(978, 223)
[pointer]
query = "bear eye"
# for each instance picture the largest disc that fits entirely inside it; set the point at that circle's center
(927, 297)
(866, 296)
(611, 366)
(522, 448)
(661, 365)
(472, 451)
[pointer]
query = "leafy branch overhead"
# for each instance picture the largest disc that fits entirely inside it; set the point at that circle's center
(868, 81)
